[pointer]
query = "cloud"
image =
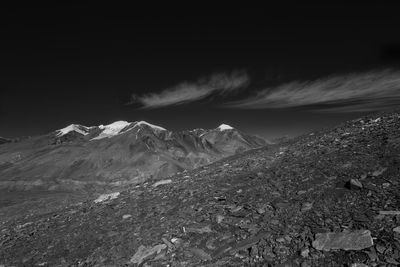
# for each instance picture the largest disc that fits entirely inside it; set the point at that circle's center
(221, 84)
(348, 93)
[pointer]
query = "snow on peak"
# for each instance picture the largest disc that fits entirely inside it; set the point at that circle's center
(111, 130)
(73, 128)
(114, 127)
(150, 125)
(224, 127)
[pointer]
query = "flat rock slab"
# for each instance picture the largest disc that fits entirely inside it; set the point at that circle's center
(348, 240)
(162, 182)
(106, 197)
(198, 229)
(354, 184)
(144, 253)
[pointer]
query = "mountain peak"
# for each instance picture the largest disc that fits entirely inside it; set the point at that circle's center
(73, 128)
(111, 129)
(224, 127)
(115, 125)
(150, 125)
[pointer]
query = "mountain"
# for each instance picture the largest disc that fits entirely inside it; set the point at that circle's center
(327, 198)
(229, 140)
(4, 140)
(78, 157)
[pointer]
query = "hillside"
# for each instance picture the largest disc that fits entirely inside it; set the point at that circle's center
(329, 198)
(67, 165)
(4, 140)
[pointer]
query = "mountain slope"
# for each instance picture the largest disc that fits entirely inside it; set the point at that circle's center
(4, 140)
(99, 157)
(267, 206)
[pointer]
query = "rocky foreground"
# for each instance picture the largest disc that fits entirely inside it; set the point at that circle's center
(330, 198)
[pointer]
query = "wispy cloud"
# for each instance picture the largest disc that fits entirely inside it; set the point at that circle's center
(186, 92)
(348, 93)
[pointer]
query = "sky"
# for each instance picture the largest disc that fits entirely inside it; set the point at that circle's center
(271, 70)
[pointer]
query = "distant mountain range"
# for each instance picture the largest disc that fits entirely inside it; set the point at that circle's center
(4, 140)
(79, 157)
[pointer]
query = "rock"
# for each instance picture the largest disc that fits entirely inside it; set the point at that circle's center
(236, 208)
(126, 216)
(301, 192)
(24, 225)
(210, 244)
(169, 244)
(354, 184)
(392, 261)
(177, 241)
(347, 165)
(305, 252)
(361, 218)
(219, 218)
(381, 249)
(261, 210)
(161, 256)
(389, 212)
(197, 229)
(358, 265)
(372, 254)
(306, 206)
(347, 240)
(280, 240)
(200, 254)
(275, 222)
(396, 229)
(396, 254)
(244, 244)
(276, 194)
(162, 182)
(282, 205)
(379, 172)
(282, 251)
(144, 253)
(107, 197)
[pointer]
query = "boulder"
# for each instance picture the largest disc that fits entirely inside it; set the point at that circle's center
(347, 240)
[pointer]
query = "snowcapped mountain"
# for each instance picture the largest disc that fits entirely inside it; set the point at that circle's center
(78, 157)
(111, 130)
(231, 141)
(224, 127)
(104, 131)
(73, 128)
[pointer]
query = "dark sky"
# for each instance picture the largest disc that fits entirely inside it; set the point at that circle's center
(64, 64)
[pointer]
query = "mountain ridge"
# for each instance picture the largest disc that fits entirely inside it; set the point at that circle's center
(78, 157)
